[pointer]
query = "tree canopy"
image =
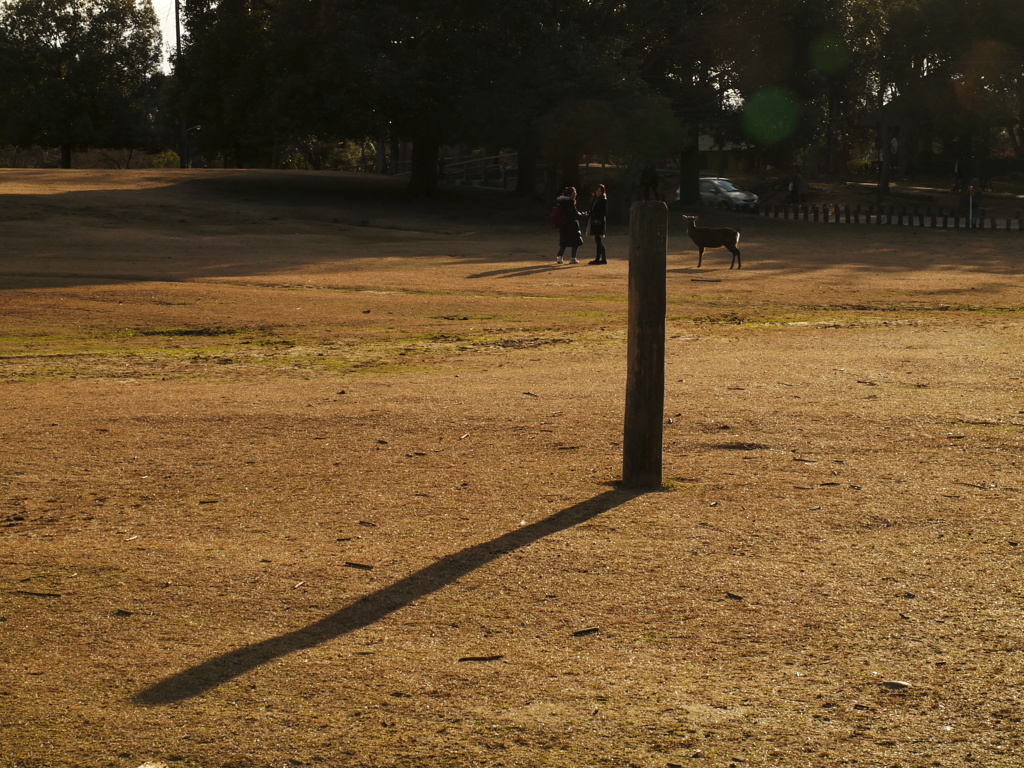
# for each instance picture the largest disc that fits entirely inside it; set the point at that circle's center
(633, 79)
(78, 73)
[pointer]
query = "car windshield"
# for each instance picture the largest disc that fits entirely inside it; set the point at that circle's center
(728, 186)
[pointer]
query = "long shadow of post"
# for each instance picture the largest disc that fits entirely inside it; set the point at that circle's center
(374, 607)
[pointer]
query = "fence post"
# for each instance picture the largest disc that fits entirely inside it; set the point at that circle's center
(645, 362)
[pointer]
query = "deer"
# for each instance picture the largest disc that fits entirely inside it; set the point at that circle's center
(714, 237)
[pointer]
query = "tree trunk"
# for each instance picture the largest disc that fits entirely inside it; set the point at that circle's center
(832, 136)
(396, 153)
(526, 171)
(423, 179)
(569, 170)
(689, 173)
(886, 157)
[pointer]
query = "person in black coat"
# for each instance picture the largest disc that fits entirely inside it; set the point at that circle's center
(974, 191)
(570, 235)
(598, 217)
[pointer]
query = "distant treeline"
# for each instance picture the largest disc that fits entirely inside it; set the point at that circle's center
(823, 82)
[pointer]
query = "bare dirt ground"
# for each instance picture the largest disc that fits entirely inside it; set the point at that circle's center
(298, 472)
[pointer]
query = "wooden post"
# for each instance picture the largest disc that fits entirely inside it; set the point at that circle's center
(645, 374)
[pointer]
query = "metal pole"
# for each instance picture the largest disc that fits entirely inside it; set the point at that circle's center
(183, 135)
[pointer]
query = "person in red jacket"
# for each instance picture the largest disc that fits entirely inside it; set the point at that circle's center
(570, 235)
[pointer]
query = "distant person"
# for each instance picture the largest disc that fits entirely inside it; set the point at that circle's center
(649, 182)
(569, 234)
(598, 219)
(974, 201)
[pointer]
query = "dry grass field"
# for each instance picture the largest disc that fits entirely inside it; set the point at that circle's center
(299, 472)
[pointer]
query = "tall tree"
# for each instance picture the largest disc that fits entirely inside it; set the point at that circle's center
(567, 80)
(222, 80)
(77, 73)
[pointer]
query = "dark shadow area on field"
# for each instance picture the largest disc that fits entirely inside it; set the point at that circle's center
(549, 266)
(241, 223)
(374, 607)
(326, 196)
(204, 223)
(704, 271)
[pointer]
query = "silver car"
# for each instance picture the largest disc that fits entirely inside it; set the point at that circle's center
(726, 194)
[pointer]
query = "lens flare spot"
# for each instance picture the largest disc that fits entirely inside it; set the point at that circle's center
(770, 116)
(830, 54)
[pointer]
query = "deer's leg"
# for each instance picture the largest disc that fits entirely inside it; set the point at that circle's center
(700, 254)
